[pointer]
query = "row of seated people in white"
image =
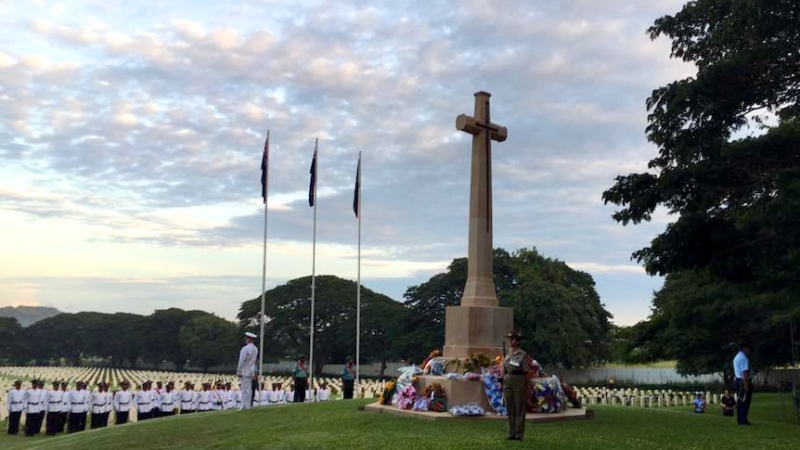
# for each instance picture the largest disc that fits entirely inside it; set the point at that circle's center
(146, 401)
(225, 399)
(279, 396)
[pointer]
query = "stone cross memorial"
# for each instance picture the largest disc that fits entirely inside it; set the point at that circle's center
(479, 324)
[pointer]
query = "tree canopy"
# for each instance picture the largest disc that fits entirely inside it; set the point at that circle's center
(287, 324)
(11, 340)
(208, 340)
(728, 170)
(556, 306)
(735, 197)
(117, 338)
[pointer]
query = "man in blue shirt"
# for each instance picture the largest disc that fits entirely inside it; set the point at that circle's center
(300, 379)
(348, 378)
(743, 383)
(699, 404)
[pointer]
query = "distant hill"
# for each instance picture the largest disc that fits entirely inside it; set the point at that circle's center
(28, 315)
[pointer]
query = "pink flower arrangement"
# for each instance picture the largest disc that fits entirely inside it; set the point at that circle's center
(406, 397)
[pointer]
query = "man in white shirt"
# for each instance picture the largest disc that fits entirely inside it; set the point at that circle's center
(42, 407)
(236, 395)
(310, 397)
(743, 382)
(34, 404)
(248, 356)
(167, 401)
(229, 401)
(264, 395)
(98, 406)
(109, 404)
(216, 396)
(55, 398)
(62, 418)
(78, 406)
(275, 396)
(288, 395)
(156, 411)
(204, 398)
(144, 402)
(323, 393)
(187, 398)
(15, 402)
(122, 403)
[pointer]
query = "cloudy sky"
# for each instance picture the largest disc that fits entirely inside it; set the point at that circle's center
(131, 137)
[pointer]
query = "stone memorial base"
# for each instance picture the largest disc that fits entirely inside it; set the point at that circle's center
(569, 414)
(472, 329)
(458, 392)
(462, 392)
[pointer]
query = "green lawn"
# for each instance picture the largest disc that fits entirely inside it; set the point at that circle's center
(342, 426)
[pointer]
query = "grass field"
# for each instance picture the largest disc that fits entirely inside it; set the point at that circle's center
(341, 425)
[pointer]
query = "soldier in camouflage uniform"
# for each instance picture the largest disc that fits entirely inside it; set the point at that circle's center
(515, 386)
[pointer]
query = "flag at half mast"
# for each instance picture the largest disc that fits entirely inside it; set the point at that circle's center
(357, 190)
(313, 184)
(264, 168)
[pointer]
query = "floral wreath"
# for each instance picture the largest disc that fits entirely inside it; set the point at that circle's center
(387, 394)
(406, 397)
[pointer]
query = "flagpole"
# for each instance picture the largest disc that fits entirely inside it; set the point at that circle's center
(358, 289)
(264, 266)
(313, 270)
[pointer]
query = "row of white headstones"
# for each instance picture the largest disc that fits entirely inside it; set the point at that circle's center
(92, 376)
(650, 398)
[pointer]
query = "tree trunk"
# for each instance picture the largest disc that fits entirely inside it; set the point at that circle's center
(727, 378)
(319, 363)
(383, 368)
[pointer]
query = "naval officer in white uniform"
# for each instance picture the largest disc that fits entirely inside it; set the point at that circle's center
(246, 369)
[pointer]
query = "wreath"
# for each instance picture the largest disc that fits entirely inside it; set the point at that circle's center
(438, 399)
(406, 397)
(477, 362)
(387, 394)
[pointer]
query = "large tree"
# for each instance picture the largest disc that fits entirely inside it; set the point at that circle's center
(288, 317)
(555, 306)
(208, 340)
(728, 167)
(696, 319)
(61, 336)
(126, 333)
(162, 343)
(12, 342)
(735, 197)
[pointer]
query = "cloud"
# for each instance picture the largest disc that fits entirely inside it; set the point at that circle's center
(148, 123)
(592, 267)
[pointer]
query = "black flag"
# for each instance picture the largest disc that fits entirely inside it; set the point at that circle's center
(264, 167)
(313, 184)
(357, 190)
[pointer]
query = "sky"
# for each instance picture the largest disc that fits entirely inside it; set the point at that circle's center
(131, 136)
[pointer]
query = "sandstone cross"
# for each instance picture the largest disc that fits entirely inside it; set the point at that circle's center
(480, 290)
(479, 324)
